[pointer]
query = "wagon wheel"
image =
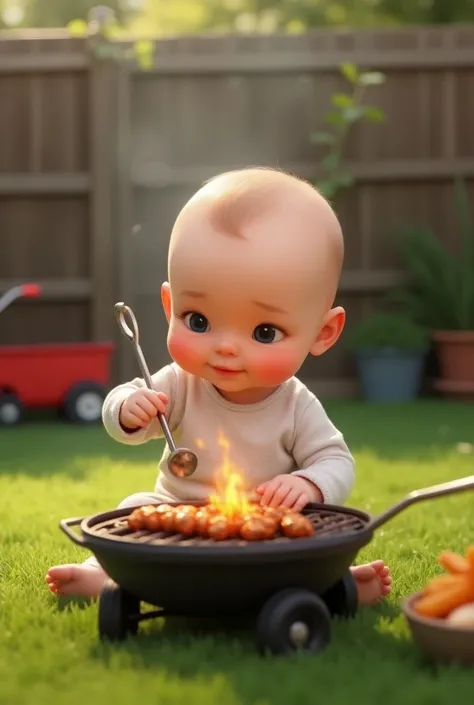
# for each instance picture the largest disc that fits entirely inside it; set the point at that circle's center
(118, 613)
(342, 600)
(294, 620)
(11, 409)
(83, 403)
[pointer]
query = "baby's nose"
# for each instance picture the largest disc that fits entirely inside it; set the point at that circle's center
(227, 346)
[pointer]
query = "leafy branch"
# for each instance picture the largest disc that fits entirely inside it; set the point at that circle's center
(347, 110)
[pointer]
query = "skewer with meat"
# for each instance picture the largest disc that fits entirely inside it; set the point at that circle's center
(295, 525)
(258, 524)
(185, 520)
(137, 520)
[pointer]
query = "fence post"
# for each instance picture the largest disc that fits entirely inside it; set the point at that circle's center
(103, 136)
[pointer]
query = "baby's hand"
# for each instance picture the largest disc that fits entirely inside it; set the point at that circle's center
(289, 491)
(141, 407)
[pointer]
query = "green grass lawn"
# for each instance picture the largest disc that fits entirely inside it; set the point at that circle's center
(49, 651)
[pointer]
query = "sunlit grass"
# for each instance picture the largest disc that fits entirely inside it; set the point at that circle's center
(48, 472)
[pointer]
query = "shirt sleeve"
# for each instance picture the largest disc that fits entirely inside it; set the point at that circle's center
(322, 455)
(165, 380)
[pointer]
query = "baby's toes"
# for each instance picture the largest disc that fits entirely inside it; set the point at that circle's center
(384, 572)
(386, 589)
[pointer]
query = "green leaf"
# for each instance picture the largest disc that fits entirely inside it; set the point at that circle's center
(330, 161)
(321, 138)
(350, 72)
(334, 118)
(77, 28)
(112, 31)
(144, 51)
(342, 100)
(432, 292)
(352, 115)
(373, 114)
(144, 46)
(388, 330)
(371, 78)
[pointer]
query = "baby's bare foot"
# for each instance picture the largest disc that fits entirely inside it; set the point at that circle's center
(78, 580)
(373, 581)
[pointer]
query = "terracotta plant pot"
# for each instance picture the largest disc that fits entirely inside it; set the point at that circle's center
(456, 361)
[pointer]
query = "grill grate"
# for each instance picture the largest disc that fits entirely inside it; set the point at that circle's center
(326, 523)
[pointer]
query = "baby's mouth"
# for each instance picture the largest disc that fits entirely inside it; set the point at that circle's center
(226, 370)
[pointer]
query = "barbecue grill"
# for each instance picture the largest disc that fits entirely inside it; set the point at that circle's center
(294, 586)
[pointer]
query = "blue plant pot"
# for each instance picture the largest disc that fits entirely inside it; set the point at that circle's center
(389, 375)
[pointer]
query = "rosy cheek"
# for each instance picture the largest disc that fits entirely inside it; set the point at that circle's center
(275, 366)
(183, 348)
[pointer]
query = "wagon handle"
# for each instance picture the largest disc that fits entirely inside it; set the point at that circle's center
(446, 488)
(29, 290)
(65, 525)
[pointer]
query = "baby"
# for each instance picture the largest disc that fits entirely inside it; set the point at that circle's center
(254, 263)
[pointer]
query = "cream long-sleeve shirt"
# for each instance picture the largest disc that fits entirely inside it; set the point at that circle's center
(289, 432)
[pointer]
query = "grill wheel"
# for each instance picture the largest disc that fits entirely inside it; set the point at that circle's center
(294, 620)
(291, 620)
(118, 613)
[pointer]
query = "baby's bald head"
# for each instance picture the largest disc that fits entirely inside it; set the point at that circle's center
(254, 249)
(261, 203)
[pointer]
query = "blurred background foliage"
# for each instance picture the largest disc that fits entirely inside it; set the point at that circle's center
(167, 17)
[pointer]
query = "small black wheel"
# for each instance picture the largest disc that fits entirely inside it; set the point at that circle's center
(11, 410)
(342, 599)
(293, 620)
(117, 613)
(83, 403)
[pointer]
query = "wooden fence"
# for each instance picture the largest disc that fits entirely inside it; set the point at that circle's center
(97, 156)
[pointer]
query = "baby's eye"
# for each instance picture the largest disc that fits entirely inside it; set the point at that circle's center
(265, 333)
(196, 322)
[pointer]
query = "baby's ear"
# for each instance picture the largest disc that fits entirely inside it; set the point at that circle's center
(331, 329)
(166, 300)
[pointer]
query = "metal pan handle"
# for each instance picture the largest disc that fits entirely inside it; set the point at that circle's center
(446, 488)
(65, 525)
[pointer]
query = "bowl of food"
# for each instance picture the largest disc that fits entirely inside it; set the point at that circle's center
(441, 617)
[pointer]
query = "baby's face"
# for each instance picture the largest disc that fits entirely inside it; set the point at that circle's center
(244, 313)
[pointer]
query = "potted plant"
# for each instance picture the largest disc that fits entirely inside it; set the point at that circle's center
(439, 295)
(390, 350)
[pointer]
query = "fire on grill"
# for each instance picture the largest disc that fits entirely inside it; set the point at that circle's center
(229, 513)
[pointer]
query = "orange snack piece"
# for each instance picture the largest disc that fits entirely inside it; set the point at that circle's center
(470, 559)
(442, 582)
(453, 562)
(440, 603)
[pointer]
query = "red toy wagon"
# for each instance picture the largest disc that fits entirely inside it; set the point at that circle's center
(70, 377)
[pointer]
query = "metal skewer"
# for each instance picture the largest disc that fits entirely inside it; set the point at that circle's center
(182, 462)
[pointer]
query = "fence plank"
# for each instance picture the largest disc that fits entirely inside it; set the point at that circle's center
(43, 63)
(161, 176)
(44, 184)
(279, 62)
(103, 238)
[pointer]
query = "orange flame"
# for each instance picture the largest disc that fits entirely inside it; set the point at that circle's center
(230, 498)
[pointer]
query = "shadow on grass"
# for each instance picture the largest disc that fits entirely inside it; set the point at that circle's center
(51, 447)
(187, 649)
(422, 430)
